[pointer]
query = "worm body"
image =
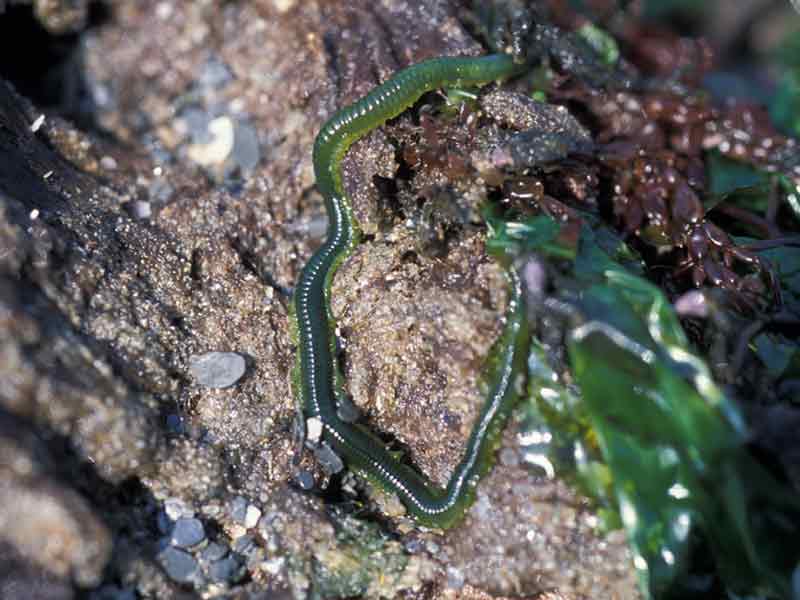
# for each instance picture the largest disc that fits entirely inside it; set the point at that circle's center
(317, 379)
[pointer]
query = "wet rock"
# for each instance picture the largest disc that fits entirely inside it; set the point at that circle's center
(58, 16)
(43, 520)
(514, 512)
(21, 579)
(100, 312)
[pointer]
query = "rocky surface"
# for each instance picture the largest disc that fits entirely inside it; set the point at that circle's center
(175, 228)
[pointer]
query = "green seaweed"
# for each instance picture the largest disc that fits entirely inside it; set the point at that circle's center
(635, 418)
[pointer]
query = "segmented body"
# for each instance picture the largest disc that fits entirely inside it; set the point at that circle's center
(317, 378)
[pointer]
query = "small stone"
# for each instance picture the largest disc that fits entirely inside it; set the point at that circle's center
(180, 566)
(160, 191)
(347, 411)
(455, 578)
(214, 74)
(175, 423)
(304, 479)
(224, 570)
(238, 509)
(273, 566)
(330, 462)
(244, 545)
(252, 516)
(108, 163)
(692, 304)
(313, 429)
(213, 552)
(217, 369)
(245, 153)
(141, 209)
(175, 508)
(36, 125)
(219, 147)
(509, 458)
(236, 531)
(187, 533)
(432, 547)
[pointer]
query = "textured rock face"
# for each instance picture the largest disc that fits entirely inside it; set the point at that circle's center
(178, 233)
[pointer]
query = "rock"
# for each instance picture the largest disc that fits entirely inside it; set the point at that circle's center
(43, 520)
(23, 580)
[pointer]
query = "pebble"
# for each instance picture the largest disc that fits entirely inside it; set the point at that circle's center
(509, 458)
(347, 411)
(238, 509)
(187, 533)
(455, 578)
(236, 531)
(273, 566)
(141, 209)
(245, 153)
(175, 423)
(313, 429)
(160, 191)
(226, 569)
(252, 516)
(330, 462)
(692, 304)
(220, 145)
(213, 552)
(217, 369)
(179, 565)
(304, 479)
(244, 545)
(177, 508)
(215, 74)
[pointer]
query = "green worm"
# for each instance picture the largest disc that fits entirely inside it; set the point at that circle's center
(316, 377)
